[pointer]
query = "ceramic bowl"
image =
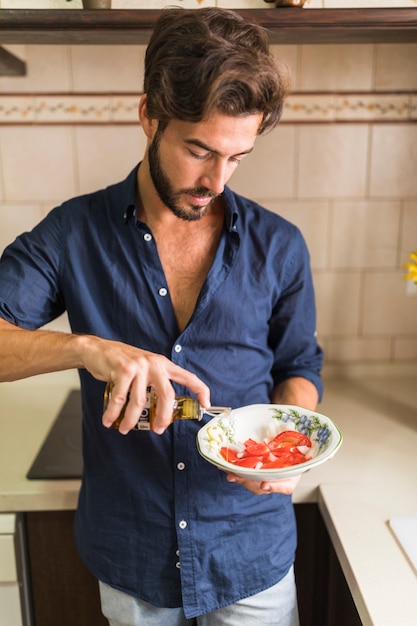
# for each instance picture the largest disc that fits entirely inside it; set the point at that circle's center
(263, 422)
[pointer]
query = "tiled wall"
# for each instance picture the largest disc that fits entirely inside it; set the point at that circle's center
(342, 165)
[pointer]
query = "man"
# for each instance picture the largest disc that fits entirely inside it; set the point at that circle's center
(171, 280)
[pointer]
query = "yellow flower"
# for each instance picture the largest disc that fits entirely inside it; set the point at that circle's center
(411, 268)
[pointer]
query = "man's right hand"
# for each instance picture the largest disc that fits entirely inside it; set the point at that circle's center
(26, 353)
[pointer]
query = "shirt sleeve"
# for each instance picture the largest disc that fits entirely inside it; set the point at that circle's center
(29, 276)
(293, 336)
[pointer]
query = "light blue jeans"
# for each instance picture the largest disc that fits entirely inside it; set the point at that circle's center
(276, 606)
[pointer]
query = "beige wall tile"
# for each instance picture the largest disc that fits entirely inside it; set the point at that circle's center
(358, 349)
(386, 307)
(338, 302)
(312, 218)
(47, 70)
(406, 348)
(365, 234)
(37, 163)
(409, 231)
(15, 219)
(332, 161)
(269, 171)
(396, 66)
(107, 154)
(288, 57)
(393, 160)
(336, 67)
(107, 68)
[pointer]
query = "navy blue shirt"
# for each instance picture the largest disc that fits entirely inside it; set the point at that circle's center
(155, 519)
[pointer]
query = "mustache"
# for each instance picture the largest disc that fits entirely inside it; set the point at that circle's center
(200, 191)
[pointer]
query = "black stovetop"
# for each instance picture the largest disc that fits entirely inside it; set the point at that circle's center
(60, 455)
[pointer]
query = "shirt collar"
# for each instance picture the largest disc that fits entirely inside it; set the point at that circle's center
(231, 210)
(130, 207)
(129, 200)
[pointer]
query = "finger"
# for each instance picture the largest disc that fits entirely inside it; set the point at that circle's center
(138, 400)
(164, 410)
(285, 486)
(192, 382)
(116, 399)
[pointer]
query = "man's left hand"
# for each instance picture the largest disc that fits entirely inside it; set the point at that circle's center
(285, 486)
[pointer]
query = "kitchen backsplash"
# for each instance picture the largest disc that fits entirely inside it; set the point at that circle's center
(342, 165)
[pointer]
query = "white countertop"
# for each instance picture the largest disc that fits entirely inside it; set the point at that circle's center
(371, 479)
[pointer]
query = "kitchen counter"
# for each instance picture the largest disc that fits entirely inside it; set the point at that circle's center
(371, 479)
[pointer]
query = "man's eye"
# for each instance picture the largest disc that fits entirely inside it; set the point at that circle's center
(198, 155)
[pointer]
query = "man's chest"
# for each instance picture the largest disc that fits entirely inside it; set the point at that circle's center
(185, 266)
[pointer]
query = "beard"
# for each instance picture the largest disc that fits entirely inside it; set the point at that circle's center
(165, 190)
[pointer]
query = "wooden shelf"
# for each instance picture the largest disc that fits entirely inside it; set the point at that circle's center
(286, 25)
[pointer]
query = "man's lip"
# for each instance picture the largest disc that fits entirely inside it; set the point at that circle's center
(200, 200)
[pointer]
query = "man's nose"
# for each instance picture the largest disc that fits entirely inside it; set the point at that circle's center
(216, 176)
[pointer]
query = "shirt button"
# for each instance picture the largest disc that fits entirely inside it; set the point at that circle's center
(180, 465)
(177, 552)
(162, 291)
(182, 524)
(147, 237)
(177, 565)
(177, 347)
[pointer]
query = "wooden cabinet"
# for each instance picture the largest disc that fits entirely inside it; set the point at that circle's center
(65, 593)
(324, 598)
(285, 26)
(63, 590)
(11, 609)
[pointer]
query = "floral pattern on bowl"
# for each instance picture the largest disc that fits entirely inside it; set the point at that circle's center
(265, 421)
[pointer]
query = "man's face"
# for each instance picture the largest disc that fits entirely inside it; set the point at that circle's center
(190, 163)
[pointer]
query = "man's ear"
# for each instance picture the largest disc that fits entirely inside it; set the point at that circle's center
(148, 124)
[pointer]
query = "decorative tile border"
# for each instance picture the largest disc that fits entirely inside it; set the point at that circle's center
(68, 109)
(351, 108)
(122, 108)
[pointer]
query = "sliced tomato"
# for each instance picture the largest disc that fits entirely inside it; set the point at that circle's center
(281, 451)
(254, 462)
(255, 448)
(289, 439)
(229, 454)
(278, 451)
(285, 460)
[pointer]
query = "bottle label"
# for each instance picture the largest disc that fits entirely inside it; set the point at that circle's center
(144, 422)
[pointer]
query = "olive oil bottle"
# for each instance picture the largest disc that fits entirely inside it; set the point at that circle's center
(185, 408)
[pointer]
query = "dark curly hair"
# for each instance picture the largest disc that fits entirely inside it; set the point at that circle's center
(209, 60)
